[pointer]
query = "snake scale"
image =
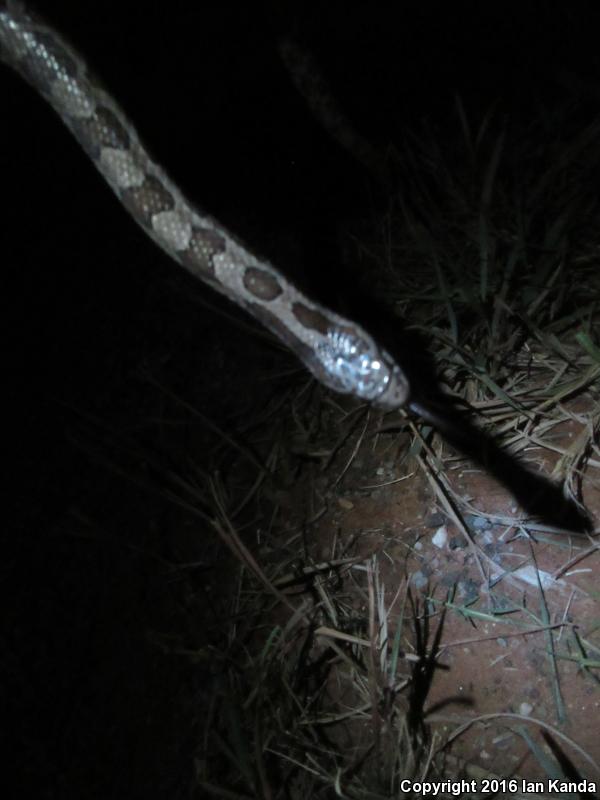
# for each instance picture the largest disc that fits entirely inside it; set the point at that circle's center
(337, 351)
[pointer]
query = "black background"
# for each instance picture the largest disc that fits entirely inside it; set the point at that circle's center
(205, 87)
(89, 299)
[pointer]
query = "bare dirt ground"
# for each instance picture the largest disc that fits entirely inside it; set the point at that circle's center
(516, 611)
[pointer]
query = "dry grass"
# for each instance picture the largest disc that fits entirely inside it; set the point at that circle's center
(498, 268)
(314, 674)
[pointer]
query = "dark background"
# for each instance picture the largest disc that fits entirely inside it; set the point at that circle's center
(90, 302)
(89, 297)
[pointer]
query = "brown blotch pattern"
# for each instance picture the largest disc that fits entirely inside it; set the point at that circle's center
(198, 255)
(50, 63)
(280, 329)
(147, 200)
(101, 130)
(311, 318)
(261, 284)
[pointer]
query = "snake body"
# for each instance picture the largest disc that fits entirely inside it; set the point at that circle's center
(337, 351)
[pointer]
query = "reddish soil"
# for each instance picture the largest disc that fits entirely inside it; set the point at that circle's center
(485, 667)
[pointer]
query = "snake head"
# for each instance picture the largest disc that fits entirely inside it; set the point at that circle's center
(356, 365)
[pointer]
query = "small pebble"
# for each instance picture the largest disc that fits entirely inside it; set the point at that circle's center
(348, 505)
(419, 580)
(440, 537)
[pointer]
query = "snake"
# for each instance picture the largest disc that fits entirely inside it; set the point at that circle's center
(338, 352)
